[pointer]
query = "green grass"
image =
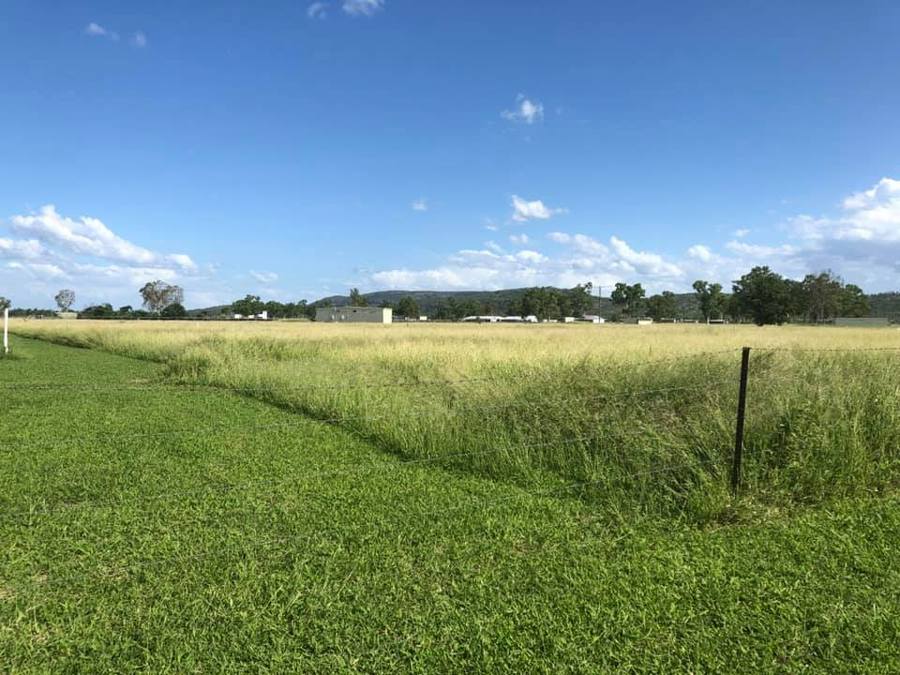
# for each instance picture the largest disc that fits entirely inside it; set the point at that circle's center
(268, 541)
(637, 417)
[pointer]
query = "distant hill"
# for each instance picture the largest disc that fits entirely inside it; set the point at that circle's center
(498, 302)
(492, 302)
(218, 310)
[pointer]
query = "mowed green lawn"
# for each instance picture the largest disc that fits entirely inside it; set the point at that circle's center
(147, 527)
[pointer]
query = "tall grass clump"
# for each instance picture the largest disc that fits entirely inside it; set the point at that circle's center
(639, 420)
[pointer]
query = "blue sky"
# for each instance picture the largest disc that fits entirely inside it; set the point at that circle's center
(295, 149)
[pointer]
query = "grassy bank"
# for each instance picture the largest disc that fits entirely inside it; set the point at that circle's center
(166, 529)
(636, 419)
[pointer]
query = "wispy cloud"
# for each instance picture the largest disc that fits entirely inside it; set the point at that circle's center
(317, 10)
(264, 277)
(420, 205)
(138, 39)
(362, 7)
(525, 111)
(524, 210)
(94, 29)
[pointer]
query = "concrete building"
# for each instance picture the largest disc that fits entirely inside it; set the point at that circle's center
(355, 314)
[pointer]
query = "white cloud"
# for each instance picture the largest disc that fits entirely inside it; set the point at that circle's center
(362, 7)
(99, 264)
(872, 215)
(757, 250)
(94, 29)
(700, 252)
(581, 259)
(317, 10)
(741, 233)
(89, 236)
(580, 242)
(36, 270)
(519, 239)
(525, 111)
(26, 249)
(139, 40)
(264, 277)
(420, 205)
(649, 264)
(534, 210)
(531, 256)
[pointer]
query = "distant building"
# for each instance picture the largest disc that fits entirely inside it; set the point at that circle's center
(482, 319)
(593, 318)
(862, 322)
(354, 314)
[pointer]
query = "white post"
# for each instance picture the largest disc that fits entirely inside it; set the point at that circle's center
(6, 331)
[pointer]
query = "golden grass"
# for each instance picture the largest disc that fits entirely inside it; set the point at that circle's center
(644, 414)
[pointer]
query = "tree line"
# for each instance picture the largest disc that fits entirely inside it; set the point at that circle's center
(761, 296)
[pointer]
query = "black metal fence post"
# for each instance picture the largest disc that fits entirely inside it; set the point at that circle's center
(739, 427)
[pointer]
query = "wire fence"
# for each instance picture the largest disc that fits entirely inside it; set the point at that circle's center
(717, 463)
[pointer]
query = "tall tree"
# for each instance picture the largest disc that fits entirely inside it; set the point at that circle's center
(158, 295)
(763, 295)
(408, 307)
(249, 305)
(580, 298)
(662, 306)
(819, 296)
(619, 297)
(636, 294)
(357, 299)
(853, 302)
(65, 299)
(630, 299)
(174, 311)
(710, 298)
(4, 303)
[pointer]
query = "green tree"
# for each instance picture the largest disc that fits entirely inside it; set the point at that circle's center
(249, 305)
(762, 295)
(629, 299)
(408, 307)
(174, 311)
(709, 298)
(853, 302)
(662, 306)
(104, 311)
(4, 303)
(619, 297)
(158, 295)
(819, 296)
(357, 299)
